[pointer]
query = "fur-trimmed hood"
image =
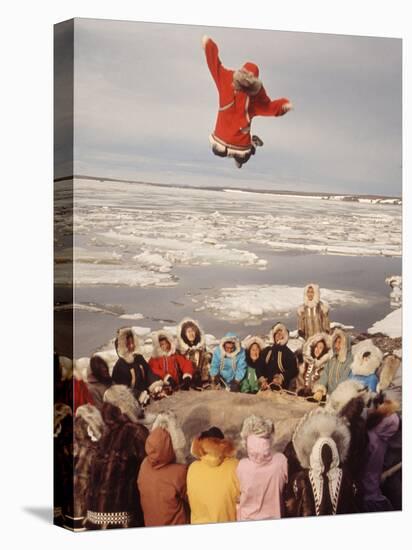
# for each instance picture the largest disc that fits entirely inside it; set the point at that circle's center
(157, 350)
(367, 358)
(212, 450)
(310, 344)
(316, 296)
(273, 331)
(182, 342)
(316, 424)
(344, 393)
(230, 337)
(93, 419)
(248, 342)
(122, 397)
(258, 426)
(120, 344)
(168, 421)
(346, 345)
(246, 79)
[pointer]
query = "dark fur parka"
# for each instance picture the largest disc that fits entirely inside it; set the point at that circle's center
(114, 472)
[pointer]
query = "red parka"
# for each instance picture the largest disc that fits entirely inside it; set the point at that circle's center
(169, 364)
(237, 108)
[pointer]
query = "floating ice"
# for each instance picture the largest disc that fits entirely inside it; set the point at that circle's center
(132, 316)
(135, 234)
(242, 302)
(391, 325)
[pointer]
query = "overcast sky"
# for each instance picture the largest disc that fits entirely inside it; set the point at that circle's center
(145, 104)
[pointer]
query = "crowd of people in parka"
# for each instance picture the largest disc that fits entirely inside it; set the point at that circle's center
(126, 475)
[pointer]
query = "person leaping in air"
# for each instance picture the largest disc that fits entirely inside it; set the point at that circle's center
(241, 97)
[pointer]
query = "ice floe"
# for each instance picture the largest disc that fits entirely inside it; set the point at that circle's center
(245, 302)
(136, 234)
(391, 325)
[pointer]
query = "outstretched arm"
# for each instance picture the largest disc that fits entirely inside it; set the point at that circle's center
(217, 70)
(262, 105)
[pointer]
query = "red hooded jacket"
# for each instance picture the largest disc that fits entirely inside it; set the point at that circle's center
(170, 363)
(237, 108)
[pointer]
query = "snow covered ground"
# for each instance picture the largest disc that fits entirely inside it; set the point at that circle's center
(136, 234)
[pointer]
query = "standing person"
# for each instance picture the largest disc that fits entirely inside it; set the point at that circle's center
(316, 353)
(172, 368)
(277, 365)
(382, 423)
(313, 315)
(263, 475)
(162, 483)
(212, 485)
(192, 345)
(98, 379)
(253, 347)
(114, 498)
(337, 369)
(349, 401)
(322, 486)
(131, 369)
(88, 430)
(228, 363)
(241, 98)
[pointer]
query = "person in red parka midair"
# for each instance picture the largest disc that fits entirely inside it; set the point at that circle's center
(241, 97)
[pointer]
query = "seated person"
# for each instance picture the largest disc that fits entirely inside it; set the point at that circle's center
(174, 369)
(228, 366)
(131, 369)
(277, 365)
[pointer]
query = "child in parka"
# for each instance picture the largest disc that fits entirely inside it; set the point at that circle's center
(174, 369)
(337, 369)
(192, 345)
(253, 347)
(228, 366)
(316, 353)
(366, 361)
(277, 364)
(241, 97)
(131, 369)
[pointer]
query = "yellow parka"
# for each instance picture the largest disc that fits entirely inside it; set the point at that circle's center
(212, 485)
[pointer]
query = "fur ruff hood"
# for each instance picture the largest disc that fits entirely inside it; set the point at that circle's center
(346, 345)
(168, 421)
(182, 343)
(316, 424)
(250, 340)
(367, 358)
(212, 450)
(122, 397)
(316, 295)
(310, 344)
(273, 331)
(120, 344)
(344, 393)
(230, 337)
(157, 350)
(258, 426)
(93, 419)
(246, 79)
